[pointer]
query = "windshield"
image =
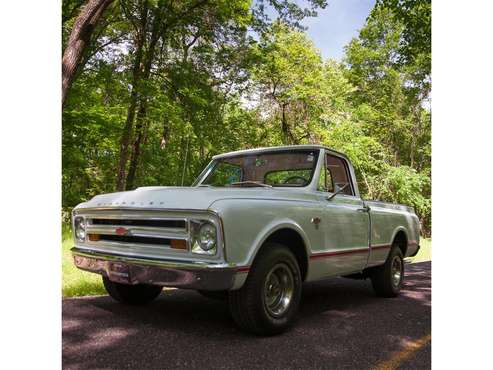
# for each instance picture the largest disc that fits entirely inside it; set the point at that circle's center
(276, 169)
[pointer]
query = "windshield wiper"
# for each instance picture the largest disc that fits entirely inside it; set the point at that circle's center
(257, 183)
(205, 186)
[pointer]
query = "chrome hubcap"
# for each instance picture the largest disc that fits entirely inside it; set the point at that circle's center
(278, 289)
(396, 271)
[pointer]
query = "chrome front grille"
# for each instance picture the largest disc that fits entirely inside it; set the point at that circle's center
(118, 226)
(135, 239)
(166, 223)
(142, 232)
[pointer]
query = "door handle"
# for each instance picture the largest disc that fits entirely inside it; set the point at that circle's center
(364, 209)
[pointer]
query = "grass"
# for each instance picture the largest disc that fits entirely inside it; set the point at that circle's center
(424, 253)
(76, 283)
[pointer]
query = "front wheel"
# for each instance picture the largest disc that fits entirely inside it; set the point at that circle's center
(268, 301)
(131, 294)
(387, 279)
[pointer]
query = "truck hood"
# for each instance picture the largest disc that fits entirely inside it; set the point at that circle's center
(197, 198)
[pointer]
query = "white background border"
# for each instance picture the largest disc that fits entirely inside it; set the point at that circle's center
(30, 153)
(30, 185)
(462, 166)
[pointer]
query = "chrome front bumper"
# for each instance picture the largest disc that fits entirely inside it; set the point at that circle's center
(130, 270)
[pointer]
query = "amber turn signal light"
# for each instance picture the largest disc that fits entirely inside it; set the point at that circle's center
(178, 244)
(93, 237)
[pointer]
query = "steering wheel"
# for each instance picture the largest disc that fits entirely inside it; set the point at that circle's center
(296, 180)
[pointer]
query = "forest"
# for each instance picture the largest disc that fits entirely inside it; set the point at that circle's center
(152, 89)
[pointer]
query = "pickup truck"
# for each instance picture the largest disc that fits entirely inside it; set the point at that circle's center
(253, 227)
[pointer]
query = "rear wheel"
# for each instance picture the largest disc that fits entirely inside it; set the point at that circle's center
(131, 294)
(268, 301)
(387, 279)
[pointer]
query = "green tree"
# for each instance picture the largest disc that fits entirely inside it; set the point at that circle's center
(287, 79)
(415, 47)
(79, 39)
(163, 86)
(391, 97)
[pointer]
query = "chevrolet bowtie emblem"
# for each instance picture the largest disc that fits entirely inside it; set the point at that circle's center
(122, 231)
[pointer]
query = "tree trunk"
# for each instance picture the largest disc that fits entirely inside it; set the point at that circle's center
(288, 137)
(416, 132)
(166, 129)
(284, 124)
(157, 32)
(139, 127)
(139, 130)
(127, 129)
(79, 40)
(178, 172)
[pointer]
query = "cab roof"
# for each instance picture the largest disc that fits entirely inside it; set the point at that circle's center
(278, 149)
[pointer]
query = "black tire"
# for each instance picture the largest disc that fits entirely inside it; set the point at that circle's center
(249, 305)
(385, 283)
(131, 294)
(219, 295)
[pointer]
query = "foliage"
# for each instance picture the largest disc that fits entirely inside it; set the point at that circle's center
(76, 282)
(391, 100)
(405, 185)
(415, 15)
(184, 81)
(287, 80)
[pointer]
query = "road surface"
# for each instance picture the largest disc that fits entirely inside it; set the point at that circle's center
(341, 325)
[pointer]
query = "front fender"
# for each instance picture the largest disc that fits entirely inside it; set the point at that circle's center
(270, 229)
(248, 223)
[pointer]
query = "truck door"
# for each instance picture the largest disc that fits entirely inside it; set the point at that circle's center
(345, 221)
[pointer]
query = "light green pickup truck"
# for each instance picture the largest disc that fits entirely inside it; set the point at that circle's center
(253, 227)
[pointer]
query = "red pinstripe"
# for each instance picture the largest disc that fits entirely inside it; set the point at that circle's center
(342, 253)
(329, 254)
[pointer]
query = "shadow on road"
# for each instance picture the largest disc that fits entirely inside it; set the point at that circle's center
(341, 325)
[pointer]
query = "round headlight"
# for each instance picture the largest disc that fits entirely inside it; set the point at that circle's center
(207, 236)
(80, 229)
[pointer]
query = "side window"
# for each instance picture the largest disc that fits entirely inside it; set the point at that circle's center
(338, 175)
(322, 185)
(325, 180)
(330, 181)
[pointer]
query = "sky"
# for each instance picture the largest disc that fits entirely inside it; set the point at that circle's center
(337, 24)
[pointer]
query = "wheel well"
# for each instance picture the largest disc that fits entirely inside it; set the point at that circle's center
(296, 245)
(400, 240)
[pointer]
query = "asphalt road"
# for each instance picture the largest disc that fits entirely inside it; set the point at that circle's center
(341, 325)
